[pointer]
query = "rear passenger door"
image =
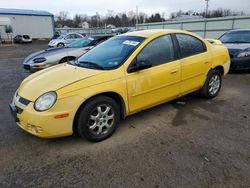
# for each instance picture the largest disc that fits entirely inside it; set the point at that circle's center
(195, 62)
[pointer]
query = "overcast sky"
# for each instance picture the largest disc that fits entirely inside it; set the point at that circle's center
(90, 7)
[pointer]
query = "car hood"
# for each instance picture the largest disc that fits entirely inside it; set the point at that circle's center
(236, 48)
(52, 79)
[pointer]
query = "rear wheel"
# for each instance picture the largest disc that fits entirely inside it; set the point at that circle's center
(98, 118)
(212, 85)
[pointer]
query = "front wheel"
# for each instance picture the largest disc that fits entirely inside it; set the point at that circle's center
(60, 45)
(98, 118)
(212, 85)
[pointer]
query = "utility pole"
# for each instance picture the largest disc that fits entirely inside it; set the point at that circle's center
(97, 23)
(206, 8)
(136, 17)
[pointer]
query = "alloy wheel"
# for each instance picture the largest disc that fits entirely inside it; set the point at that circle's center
(101, 119)
(214, 84)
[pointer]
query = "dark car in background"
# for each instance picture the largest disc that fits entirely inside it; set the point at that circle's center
(238, 44)
(55, 36)
(22, 39)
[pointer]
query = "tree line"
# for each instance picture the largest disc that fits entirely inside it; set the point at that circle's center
(128, 19)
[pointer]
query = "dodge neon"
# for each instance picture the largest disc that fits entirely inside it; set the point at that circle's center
(122, 76)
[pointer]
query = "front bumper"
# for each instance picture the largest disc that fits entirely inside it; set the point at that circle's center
(44, 124)
(36, 67)
(52, 45)
(26, 41)
(242, 63)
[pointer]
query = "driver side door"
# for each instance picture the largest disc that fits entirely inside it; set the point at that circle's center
(159, 83)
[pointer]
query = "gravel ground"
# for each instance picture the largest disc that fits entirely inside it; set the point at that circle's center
(190, 142)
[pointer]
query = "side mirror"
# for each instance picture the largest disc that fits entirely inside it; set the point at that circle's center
(139, 65)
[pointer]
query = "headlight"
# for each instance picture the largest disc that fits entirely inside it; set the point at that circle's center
(39, 60)
(244, 54)
(53, 42)
(45, 101)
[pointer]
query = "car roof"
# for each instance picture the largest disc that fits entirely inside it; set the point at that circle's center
(153, 32)
(100, 36)
(238, 30)
(72, 33)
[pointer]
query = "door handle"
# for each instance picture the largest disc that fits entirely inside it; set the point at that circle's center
(174, 71)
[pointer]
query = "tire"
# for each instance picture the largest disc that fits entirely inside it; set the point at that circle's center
(60, 45)
(212, 85)
(98, 119)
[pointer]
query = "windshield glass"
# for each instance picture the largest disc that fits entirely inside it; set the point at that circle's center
(61, 37)
(236, 37)
(87, 41)
(111, 53)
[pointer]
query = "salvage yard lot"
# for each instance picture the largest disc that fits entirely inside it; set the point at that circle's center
(190, 142)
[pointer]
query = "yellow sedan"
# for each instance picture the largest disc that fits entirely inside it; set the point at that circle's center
(124, 75)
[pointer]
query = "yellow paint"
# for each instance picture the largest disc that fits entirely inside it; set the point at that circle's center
(139, 90)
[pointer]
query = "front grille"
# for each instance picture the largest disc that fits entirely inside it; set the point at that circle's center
(26, 67)
(23, 101)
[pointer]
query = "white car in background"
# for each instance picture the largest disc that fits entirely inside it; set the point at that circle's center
(65, 39)
(52, 56)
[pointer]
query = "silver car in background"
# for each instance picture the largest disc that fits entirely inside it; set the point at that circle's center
(52, 56)
(65, 39)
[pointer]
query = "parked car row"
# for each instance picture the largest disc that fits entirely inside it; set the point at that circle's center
(53, 56)
(22, 39)
(238, 44)
(125, 74)
(65, 39)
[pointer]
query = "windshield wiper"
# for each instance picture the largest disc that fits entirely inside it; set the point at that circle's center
(95, 65)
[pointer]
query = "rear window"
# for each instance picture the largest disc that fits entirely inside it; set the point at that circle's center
(26, 36)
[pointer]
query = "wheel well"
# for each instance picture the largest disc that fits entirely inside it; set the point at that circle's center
(220, 68)
(68, 58)
(112, 95)
(60, 43)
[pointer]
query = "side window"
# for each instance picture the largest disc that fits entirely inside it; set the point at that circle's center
(158, 51)
(70, 36)
(78, 36)
(73, 36)
(190, 45)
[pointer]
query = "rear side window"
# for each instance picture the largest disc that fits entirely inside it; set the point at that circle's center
(158, 51)
(190, 45)
(70, 36)
(78, 36)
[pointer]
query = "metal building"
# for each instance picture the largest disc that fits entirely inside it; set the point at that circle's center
(37, 24)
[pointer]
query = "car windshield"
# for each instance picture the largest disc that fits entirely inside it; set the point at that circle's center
(236, 37)
(61, 37)
(111, 53)
(87, 41)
